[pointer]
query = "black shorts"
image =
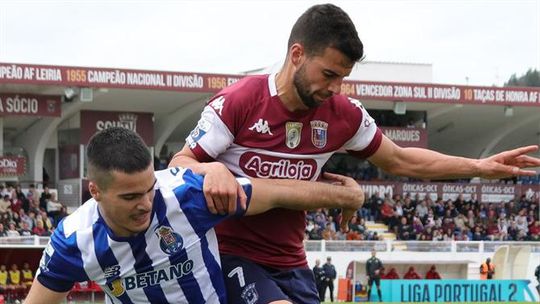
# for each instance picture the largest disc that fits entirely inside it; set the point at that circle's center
(251, 283)
(376, 280)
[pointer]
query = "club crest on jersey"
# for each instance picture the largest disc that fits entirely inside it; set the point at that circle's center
(250, 294)
(319, 133)
(169, 241)
(293, 133)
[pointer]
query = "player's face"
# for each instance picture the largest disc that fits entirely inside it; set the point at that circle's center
(319, 77)
(127, 203)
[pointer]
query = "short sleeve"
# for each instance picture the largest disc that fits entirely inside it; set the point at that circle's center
(368, 137)
(61, 264)
(193, 203)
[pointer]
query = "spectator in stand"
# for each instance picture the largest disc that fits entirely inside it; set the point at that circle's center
(40, 229)
(16, 206)
(459, 221)
(470, 219)
(53, 207)
(492, 231)
(376, 203)
(437, 235)
(427, 235)
(408, 207)
(33, 197)
(25, 230)
(412, 275)
(418, 227)
(406, 231)
(387, 211)
(5, 204)
(521, 223)
(392, 274)
(2, 230)
(422, 209)
(315, 233)
(328, 233)
(12, 230)
(45, 196)
(19, 194)
(47, 223)
(432, 274)
(4, 191)
(478, 234)
(534, 231)
(15, 218)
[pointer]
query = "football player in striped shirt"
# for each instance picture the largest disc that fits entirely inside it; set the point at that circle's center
(148, 237)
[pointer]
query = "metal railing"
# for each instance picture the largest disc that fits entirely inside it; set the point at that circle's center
(414, 246)
(33, 241)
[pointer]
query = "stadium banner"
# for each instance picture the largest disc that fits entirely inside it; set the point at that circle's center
(407, 137)
(470, 291)
(485, 193)
(114, 78)
(211, 83)
(138, 122)
(14, 104)
(440, 93)
(12, 165)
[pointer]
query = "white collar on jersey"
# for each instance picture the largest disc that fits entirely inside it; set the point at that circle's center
(272, 84)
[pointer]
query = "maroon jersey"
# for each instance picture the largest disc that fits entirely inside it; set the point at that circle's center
(247, 128)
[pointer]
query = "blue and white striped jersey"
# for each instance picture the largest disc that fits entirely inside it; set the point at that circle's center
(175, 261)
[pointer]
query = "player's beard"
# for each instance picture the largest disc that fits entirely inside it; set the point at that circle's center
(302, 88)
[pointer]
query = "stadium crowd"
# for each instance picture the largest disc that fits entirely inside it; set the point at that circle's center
(26, 213)
(412, 218)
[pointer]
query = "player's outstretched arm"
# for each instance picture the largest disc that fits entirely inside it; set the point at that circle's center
(220, 187)
(424, 163)
(303, 195)
(40, 294)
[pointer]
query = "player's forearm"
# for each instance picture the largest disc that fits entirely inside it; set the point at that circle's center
(303, 195)
(186, 159)
(423, 163)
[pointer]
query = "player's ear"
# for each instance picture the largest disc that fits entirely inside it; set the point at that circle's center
(94, 190)
(297, 54)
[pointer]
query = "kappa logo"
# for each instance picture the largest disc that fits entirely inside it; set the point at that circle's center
(217, 104)
(261, 126)
(356, 103)
(293, 133)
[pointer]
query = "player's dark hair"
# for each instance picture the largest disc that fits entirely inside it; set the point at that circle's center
(327, 25)
(116, 149)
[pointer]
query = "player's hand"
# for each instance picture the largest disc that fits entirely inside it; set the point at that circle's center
(509, 163)
(221, 190)
(347, 213)
(342, 180)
